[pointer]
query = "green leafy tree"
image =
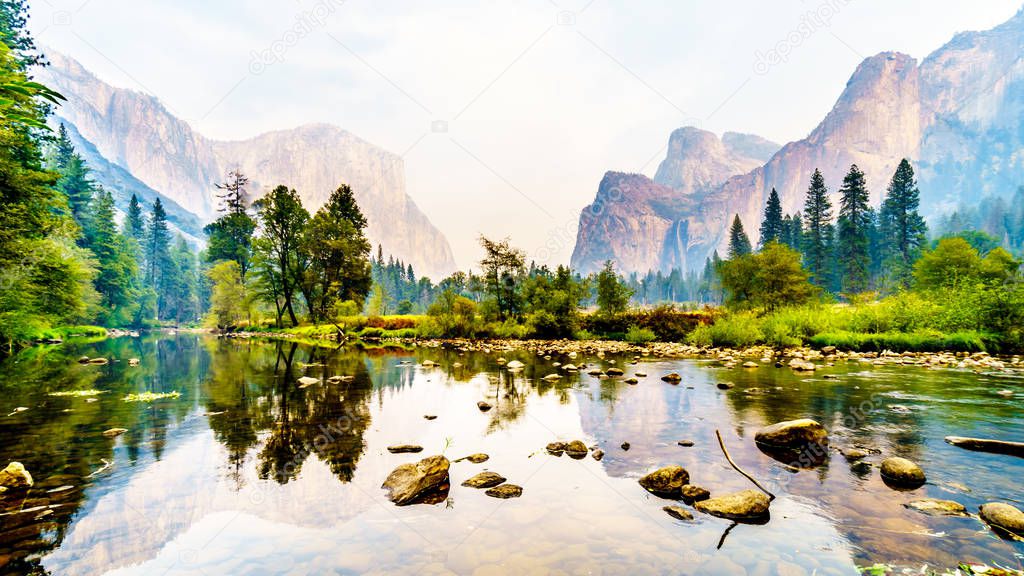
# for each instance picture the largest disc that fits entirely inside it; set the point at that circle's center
(503, 267)
(770, 279)
(901, 228)
(282, 220)
(338, 254)
(612, 294)
(739, 242)
(818, 231)
(952, 264)
(773, 228)
(228, 296)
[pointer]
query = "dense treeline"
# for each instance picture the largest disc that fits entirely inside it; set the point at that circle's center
(64, 259)
(962, 291)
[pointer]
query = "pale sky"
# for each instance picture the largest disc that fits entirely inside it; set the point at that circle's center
(538, 97)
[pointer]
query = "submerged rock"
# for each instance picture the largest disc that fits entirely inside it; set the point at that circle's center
(934, 507)
(483, 406)
(505, 491)
(597, 454)
(556, 448)
(1003, 516)
(632, 381)
(15, 477)
(405, 448)
(484, 480)
(624, 446)
(430, 416)
(685, 443)
(614, 372)
(672, 378)
(987, 445)
(678, 512)
(666, 482)
(409, 483)
(744, 505)
(477, 458)
(901, 472)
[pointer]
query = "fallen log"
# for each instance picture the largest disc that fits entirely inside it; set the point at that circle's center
(987, 445)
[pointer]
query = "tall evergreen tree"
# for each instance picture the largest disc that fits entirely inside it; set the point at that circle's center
(116, 264)
(158, 273)
(902, 229)
(230, 236)
(739, 243)
(135, 222)
(817, 225)
(853, 242)
(75, 184)
(233, 196)
(772, 227)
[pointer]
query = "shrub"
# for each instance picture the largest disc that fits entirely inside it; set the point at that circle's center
(637, 335)
(371, 332)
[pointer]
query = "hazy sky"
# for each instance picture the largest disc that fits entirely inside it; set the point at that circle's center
(507, 113)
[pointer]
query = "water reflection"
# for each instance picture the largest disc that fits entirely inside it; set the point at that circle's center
(271, 460)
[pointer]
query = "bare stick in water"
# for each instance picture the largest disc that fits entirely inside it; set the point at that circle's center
(738, 469)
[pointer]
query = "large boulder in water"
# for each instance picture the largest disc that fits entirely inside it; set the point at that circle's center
(1003, 516)
(410, 483)
(666, 482)
(902, 473)
(15, 477)
(792, 434)
(750, 505)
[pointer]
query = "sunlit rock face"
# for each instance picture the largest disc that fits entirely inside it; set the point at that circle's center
(138, 133)
(956, 115)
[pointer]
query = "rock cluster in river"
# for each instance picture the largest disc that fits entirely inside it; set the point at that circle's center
(412, 482)
(666, 482)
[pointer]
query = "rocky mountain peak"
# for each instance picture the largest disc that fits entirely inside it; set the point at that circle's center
(698, 160)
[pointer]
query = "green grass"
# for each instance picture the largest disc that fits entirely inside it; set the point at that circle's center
(919, 341)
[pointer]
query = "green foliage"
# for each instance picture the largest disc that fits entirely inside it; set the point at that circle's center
(228, 299)
(612, 295)
(451, 316)
(503, 267)
(638, 335)
(769, 279)
(921, 341)
(737, 330)
(230, 238)
(335, 254)
(952, 263)
(282, 219)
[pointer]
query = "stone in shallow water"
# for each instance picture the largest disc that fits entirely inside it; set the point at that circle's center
(484, 480)
(597, 454)
(1003, 516)
(744, 505)
(694, 493)
(556, 448)
(624, 446)
(678, 512)
(505, 491)
(404, 448)
(476, 458)
(934, 507)
(15, 477)
(672, 378)
(614, 372)
(901, 472)
(666, 482)
(793, 434)
(576, 449)
(483, 406)
(685, 443)
(307, 381)
(409, 483)
(114, 432)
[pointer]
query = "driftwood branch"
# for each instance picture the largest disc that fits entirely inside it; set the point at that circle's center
(740, 470)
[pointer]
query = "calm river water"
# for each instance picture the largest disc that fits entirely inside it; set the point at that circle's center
(246, 472)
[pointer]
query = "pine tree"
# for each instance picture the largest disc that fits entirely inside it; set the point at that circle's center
(75, 184)
(853, 241)
(63, 149)
(772, 227)
(135, 222)
(817, 225)
(902, 230)
(158, 259)
(233, 197)
(739, 243)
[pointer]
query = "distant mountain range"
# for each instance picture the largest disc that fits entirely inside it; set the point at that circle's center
(135, 145)
(958, 116)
